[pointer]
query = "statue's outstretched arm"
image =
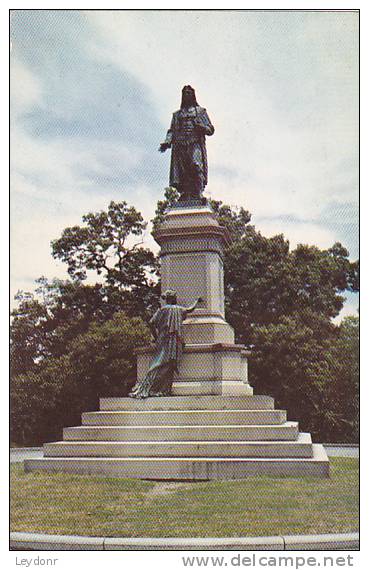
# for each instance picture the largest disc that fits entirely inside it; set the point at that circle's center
(193, 307)
(168, 139)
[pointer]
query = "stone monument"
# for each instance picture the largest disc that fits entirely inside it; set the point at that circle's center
(211, 425)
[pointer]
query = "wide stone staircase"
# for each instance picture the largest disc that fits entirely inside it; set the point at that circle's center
(185, 438)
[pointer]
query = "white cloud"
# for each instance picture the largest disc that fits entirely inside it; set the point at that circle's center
(62, 161)
(296, 233)
(25, 89)
(50, 192)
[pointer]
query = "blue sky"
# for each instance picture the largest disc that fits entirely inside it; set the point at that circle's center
(92, 97)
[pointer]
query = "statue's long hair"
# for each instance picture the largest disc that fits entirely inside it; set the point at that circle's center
(194, 103)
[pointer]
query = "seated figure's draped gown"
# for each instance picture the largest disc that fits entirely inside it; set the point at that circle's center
(168, 350)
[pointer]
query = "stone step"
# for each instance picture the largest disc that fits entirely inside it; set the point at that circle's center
(286, 431)
(187, 468)
(302, 447)
(189, 403)
(184, 417)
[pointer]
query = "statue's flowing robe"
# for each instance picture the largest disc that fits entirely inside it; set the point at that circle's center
(168, 350)
(188, 145)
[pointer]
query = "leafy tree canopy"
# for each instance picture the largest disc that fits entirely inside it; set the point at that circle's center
(101, 245)
(265, 281)
(96, 363)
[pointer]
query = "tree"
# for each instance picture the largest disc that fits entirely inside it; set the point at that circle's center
(345, 355)
(281, 304)
(28, 337)
(60, 359)
(171, 196)
(265, 281)
(314, 376)
(44, 322)
(99, 362)
(290, 363)
(102, 245)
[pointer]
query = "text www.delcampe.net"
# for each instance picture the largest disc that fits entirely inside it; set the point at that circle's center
(256, 560)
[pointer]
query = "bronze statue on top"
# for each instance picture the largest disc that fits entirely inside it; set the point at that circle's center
(186, 137)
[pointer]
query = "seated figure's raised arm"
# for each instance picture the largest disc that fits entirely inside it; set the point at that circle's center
(193, 307)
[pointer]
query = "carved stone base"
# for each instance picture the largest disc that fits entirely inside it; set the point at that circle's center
(205, 369)
(207, 328)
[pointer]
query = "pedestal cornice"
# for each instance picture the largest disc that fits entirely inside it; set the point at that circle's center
(163, 235)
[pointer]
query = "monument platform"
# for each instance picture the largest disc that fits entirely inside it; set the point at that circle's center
(185, 438)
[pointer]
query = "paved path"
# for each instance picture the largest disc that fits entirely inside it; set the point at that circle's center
(341, 450)
(17, 455)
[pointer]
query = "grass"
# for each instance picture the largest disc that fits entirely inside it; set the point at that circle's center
(256, 506)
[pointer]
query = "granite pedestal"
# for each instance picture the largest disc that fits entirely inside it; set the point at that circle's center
(192, 248)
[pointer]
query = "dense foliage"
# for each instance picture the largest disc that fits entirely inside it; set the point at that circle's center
(73, 342)
(57, 389)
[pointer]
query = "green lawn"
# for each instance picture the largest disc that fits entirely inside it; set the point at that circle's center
(97, 506)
